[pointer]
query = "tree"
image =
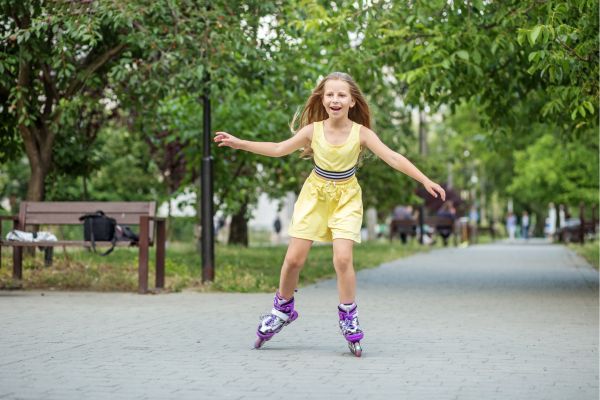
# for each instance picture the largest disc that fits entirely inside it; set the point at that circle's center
(53, 55)
(545, 174)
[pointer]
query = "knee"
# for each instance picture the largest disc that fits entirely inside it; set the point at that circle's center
(294, 262)
(342, 261)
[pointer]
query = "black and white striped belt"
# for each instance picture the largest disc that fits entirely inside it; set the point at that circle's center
(335, 175)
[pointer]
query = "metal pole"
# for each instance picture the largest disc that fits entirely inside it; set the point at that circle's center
(423, 152)
(208, 240)
(421, 222)
(422, 133)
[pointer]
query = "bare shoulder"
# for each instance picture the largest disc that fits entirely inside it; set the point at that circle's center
(365, 135)
(306, 132)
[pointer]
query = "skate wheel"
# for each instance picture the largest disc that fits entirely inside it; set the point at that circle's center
(258, 343)
(355, 348)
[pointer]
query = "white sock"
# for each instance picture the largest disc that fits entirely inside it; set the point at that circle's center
(347, 307)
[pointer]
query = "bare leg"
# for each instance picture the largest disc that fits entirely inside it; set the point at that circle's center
(342, 262)
(295, 258)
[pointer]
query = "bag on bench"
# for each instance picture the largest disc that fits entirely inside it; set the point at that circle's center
(99, 227)
(125, 234)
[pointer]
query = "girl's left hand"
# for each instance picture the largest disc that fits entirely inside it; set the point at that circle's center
(433, 189)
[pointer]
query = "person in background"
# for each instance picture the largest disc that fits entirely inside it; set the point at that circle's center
(525, 225)
(511, 225)
(550, 228)
(473, 222)
(403, 213)
(446, 210)
(277, 229)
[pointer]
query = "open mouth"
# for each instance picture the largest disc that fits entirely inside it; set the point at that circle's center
(335, 108)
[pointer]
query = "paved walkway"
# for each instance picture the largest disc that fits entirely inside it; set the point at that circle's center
(487, 322)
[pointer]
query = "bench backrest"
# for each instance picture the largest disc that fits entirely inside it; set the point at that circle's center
(68, 212)
(403, 226)
(436, 220)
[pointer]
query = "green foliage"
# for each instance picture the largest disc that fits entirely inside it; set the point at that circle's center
(123, 172)
(86, 86)
(13, 181)
(553, 171)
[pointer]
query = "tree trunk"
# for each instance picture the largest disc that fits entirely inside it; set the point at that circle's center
(238, 232)
(39, 154)
(37, 139)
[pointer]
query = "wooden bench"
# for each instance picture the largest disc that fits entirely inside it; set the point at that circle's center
(68, 213)
(577, 232)
(442, 224)
(407, 227)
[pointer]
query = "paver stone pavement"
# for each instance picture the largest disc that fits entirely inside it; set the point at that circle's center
(496, 321)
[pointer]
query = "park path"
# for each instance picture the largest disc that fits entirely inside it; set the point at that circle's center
(495, 321)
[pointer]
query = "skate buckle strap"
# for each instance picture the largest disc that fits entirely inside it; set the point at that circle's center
(280, 314)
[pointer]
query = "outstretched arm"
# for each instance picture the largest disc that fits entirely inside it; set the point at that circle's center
(301, 139)
(369, 139)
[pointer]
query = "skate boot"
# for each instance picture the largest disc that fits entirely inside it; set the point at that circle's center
(281, 315)
(350, 328)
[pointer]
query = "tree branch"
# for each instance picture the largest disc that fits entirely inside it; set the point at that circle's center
(572, 51)
(175, 17)
(513, 12)
(92, 67)
(49, 88)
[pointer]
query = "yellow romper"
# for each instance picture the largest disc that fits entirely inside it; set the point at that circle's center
(327, 209)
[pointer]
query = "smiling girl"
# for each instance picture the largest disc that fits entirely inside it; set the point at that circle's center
(334, 127)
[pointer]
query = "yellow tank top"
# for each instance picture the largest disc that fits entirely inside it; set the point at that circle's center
(335, 157)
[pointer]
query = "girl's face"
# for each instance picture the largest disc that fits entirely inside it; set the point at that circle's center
(337, 99)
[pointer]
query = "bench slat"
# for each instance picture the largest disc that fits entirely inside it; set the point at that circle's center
(73, 218)
(59, 243)
(137, 207)
(68, 212)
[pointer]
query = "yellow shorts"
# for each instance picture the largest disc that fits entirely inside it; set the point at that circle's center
(327, 210)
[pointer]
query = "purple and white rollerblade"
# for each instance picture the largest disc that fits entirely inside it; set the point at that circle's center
(282, 314)
(350, 328)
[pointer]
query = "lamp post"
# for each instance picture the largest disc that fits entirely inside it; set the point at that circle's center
(206, 183)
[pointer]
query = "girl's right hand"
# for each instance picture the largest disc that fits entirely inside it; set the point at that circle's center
(226, 139)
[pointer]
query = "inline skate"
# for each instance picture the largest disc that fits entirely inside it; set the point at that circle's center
(282, 314)
(350, 327)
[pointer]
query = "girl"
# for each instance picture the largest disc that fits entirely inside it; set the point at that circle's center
(334, 127)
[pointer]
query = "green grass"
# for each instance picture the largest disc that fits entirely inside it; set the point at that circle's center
(589, 251)
(237, 269)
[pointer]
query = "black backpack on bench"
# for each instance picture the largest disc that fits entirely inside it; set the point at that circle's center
(97, 227)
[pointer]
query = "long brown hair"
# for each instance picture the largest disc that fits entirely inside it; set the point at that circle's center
(315, 111)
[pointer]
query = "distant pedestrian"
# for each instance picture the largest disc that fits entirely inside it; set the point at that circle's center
(448, 211)
(277, 229)
(562, 216)
(525, 225)
(334, 128)
(404, 213)
(550, 227)
(511, 225)
(474, 222)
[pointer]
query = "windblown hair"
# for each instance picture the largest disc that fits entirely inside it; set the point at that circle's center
(315, 111)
